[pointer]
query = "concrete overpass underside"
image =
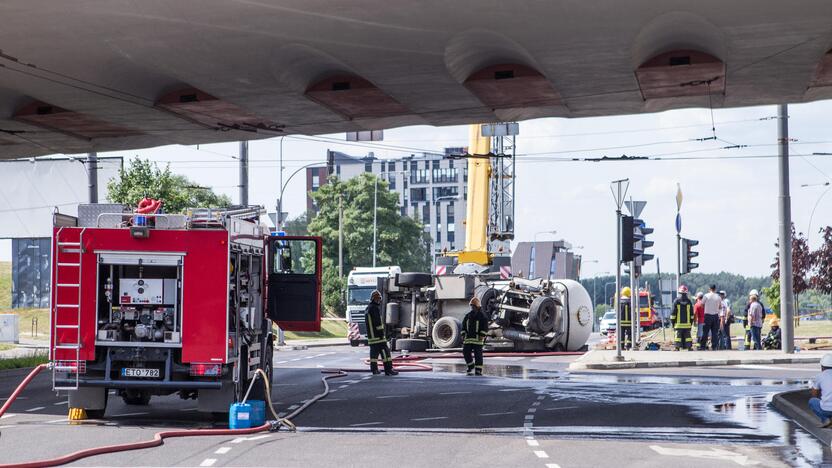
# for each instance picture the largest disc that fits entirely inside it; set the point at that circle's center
(95, 76)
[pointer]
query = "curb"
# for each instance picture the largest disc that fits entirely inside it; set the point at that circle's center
(714, 362)
(301, 347)
(803, 418)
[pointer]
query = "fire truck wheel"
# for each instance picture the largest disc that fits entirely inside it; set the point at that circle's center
(414, 280)
(135, 397)
(542, 314)
(412, 345)
(446, 333)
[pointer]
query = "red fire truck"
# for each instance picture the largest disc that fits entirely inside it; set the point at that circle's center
(159, 304)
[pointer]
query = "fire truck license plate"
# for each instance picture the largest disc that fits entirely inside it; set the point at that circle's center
(134, 372)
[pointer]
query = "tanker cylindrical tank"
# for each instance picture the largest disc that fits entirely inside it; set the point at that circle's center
(391, 317)
(577, 314)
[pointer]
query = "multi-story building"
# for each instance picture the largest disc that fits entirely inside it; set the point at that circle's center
(546, 259)
(432, 189)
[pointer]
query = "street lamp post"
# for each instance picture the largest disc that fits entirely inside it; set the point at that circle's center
(533, 267)
(375, 220)
(826, 184)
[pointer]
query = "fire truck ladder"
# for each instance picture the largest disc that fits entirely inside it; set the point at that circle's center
(68, 256)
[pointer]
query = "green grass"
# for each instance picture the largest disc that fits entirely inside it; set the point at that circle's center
(329, 329)
(6, 347)
(5, 285)
(23, 362)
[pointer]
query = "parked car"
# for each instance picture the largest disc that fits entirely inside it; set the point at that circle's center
(608, 322)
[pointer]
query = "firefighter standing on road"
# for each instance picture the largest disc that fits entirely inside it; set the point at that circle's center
(474, 330)
(682, 319)
(625, 317)
(375, 336)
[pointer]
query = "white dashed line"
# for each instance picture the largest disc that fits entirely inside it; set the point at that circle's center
(239, 440)
(365, 424)
(541, 397)
(533, 443)
(537, 403)
(552, 465)
(541, 454)
(429, 419)
(343, 386)
(384, 397)
(527, 425)
(455, 393)
(294, 407)
(529, 417)
(532, 410)
(223, 450)
(208, 462)
(36, 408)
(496, 414)
(281, 362)
(61, 403)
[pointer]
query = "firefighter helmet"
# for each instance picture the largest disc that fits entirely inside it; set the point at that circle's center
(475, 302)
(625, 291)
(375, 296)
(683, 289)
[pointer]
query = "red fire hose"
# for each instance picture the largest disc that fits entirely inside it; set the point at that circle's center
(20, 388)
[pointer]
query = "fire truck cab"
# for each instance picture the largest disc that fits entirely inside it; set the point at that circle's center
(159, 304)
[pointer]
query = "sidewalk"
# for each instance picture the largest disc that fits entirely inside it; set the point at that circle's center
(605, 359)
(27, 347)
(294, 345)
(794, 405)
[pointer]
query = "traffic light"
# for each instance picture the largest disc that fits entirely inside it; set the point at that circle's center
(688, 254)
(637, 268)
(641, 244)
(627, 239)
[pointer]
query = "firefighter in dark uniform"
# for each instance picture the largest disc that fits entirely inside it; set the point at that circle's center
(474, 330)
(682, 319)
(625, 317)
(375, 336)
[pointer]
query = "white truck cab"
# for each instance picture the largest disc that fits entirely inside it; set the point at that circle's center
(361, 282)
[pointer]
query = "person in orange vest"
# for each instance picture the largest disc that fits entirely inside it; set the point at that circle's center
(625, 317)
(474, 331)
(376, 338)
(682, 319)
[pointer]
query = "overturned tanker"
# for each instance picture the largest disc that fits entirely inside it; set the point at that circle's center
(424, 311)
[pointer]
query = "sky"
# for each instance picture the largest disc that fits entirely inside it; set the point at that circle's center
(730, 201)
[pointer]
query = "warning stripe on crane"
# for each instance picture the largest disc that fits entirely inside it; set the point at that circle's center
(441, 269)
(354, 333)
(505, 272)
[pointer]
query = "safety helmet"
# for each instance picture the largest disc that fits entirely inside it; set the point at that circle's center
(475, 302)
(625, 291)
(722, 293)
(375, 295)
(826, 360)
(754, 292)
(700, 295)
(775, 322)
(683, 289)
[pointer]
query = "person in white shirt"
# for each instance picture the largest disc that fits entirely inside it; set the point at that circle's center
(713, 304)
(726, 318)
(821, 401)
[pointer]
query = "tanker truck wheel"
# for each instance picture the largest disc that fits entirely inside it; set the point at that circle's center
(542, 314)
(412, 345)
(136, 397)
(446, 333)
(414, 280)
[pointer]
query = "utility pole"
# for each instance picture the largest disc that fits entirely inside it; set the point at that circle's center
(619, 192)
(92, 176)
(785, 240)
(244, 174)
(375, 220)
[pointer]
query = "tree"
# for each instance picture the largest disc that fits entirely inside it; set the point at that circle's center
(802, 265)
(143, 178)
(772, 295)
(822, 257)
(297, 226)
(401, 239)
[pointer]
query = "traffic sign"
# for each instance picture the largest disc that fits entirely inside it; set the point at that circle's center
(678, 223)
(678, 197)
(635, 207)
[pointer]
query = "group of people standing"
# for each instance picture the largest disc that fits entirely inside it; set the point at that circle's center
(712, 315)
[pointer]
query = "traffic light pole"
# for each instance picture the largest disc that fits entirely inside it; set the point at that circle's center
(678, 260)
(617, 294)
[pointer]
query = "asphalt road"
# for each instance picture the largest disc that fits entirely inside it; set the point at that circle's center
(526, 411)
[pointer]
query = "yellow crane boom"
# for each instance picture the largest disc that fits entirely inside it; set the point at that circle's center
(476, 217)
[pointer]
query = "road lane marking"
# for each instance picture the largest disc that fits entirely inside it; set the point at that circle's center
(533, 443)
(496, 414)
(366, 424)
(537, 403)
(541, 454)
(294, 407)
(383, 397)
(208, 462)
(36, 408)
(248, 439)
(529, 416)
(343, 386)
(130, 414)
(714, 454)
(528, 425)
(560, 407)
(223, 450)
(10, 415)
(541, 397)
(532, 410)
(61, 403)
(429, 419)
(281, 362)
(552, 465)
(455, 393)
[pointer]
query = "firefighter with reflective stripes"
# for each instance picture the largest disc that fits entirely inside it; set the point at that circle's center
(375, 336)
(625, 317)
(682, 319)
(474, 331)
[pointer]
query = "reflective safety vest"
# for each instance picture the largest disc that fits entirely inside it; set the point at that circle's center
(682, 314)
(375, 328)
(625, 313)
(474, 327)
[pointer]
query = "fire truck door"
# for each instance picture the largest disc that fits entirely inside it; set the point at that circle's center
(294, 282)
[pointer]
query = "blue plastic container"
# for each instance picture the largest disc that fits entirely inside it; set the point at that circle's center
(258, 412)
(239, 416)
